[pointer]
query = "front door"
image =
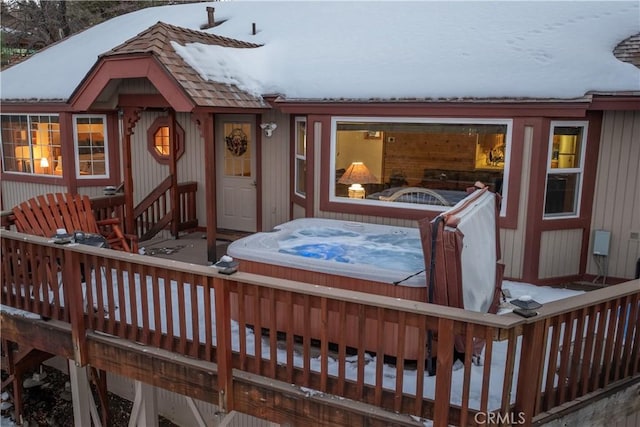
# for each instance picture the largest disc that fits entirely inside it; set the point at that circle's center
(236, 173)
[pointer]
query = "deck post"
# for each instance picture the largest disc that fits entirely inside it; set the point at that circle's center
(530, 370)
(71, 279)
(81, 396)
(223, 344)
(443, 372)
(145, 409)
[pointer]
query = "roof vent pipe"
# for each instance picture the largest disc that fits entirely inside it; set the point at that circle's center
(253, 28)
(211, 22)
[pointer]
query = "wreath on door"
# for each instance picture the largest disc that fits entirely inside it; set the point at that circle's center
(237, 142)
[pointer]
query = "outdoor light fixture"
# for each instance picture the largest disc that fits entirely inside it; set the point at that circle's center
(268, 128)
(527, 306)
(356, 175)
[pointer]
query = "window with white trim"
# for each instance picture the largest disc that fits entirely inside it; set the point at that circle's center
(30, 143)
(417, 163)
(300, 156)
(565, 167)
(91, 146)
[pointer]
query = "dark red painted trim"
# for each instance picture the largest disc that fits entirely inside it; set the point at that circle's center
(535, 203)
(295, 199)
(258, 177)
(435, 109)
(130, 66)
(31, 108)
(510, 220)
(615, 102)
(309, 203)
(535, 223)
(151, 135)
(69, 180)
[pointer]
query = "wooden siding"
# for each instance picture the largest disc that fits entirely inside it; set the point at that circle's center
(148, 173)
(616, 205)
(560, 253)
(275, 172)
(15, 192)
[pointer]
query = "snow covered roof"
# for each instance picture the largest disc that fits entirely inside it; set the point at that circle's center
(371, 50)
(158, 40)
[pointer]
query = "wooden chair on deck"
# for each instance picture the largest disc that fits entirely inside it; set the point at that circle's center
(43, 215)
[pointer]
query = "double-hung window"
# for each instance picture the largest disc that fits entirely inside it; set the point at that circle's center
(91, 146)
(30, 143)
(301, 156)
(565, 167)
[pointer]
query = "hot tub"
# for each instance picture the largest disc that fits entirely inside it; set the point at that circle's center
(375, 259)
(378, 259)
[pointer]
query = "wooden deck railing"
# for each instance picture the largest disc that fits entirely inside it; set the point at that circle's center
(571, 348)
(154, 213)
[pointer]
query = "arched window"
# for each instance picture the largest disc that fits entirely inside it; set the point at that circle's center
(158, 142)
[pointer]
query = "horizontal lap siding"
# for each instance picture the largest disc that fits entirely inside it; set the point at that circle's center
(617, 195)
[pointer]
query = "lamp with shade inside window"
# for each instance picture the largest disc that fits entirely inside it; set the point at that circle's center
(356, 175)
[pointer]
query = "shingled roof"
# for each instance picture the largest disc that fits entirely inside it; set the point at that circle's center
(157, 41)
(629, 50)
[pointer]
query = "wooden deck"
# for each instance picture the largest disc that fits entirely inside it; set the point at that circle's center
(137, 321)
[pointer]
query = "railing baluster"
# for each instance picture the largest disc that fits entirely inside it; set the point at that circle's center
(380, 329)
(622, 316)
(361, 334)
(486, 369)
(565, 353)
(576, 355)
(242, 325)
(466, 382)
(207, 294)
(550, 388)
(306, 345)
(423, 330)
(444, 364)
(182, 314)
(630, 357)
(400, 345)
(145, 321)
(169, 305)
(273, 328)
(611, 327)
(99, 311)
(587, 358)
(289, 323)
(324, 344)
(257, 328)
(195, 314)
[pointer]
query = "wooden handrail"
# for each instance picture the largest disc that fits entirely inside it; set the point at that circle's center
(154, 213)
(583, 361)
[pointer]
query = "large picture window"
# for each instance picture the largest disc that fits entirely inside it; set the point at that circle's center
(30, 144)
(417, 163)
(301, 156)
(565, 164)
(90, 139)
